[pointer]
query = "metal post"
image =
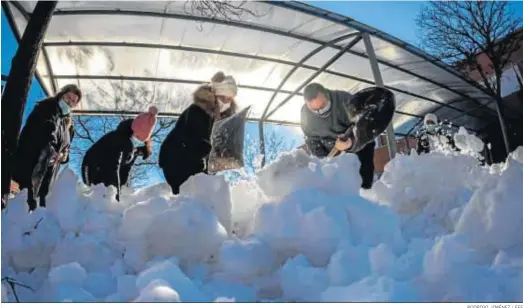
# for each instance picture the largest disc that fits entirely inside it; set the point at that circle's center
(262, 142)
(378, 80)
(503, 127)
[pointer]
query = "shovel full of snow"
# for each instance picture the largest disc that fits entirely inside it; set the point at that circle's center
(370, 110)
(227, 139)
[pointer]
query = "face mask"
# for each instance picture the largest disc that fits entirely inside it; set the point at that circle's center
(223, 106)
(325, 109)
(64, 107)
(136, 143)
(431, 127)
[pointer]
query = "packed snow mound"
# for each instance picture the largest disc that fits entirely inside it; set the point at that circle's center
(468, 143)
(296, 170)
(493, 218)
(430, 191)
(430, 229)
(188, 230)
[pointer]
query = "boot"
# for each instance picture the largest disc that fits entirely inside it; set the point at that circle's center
(32, 204)
(42, 202)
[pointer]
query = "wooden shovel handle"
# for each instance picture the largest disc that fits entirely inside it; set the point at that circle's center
(344, 137)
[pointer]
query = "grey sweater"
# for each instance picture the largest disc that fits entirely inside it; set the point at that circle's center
(321, 131)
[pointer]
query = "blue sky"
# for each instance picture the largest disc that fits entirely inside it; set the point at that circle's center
(8, 46)
(396, 18)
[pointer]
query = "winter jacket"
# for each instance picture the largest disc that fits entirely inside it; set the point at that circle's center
(110, 159)
(321, 131)
(425, 144)
(45, 131)
(186, 148)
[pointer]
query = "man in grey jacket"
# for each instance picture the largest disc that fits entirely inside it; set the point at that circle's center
(324, 118)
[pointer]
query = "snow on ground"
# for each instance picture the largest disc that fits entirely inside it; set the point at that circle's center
(435, 227)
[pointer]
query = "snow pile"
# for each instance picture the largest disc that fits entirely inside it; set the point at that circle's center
(430, 191)
(468, 143)
(436, 227)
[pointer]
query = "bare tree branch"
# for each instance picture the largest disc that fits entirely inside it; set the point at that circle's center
(225, 10)
(458, 31)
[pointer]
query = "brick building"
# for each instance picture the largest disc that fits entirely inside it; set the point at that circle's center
(511, 80)
(512, 93)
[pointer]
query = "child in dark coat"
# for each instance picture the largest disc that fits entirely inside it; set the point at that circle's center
(44, 144)
(186, 148)
(110, 159)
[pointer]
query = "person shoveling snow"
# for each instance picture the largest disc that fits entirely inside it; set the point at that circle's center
(185, 151)
(337, 121)
(434, 136)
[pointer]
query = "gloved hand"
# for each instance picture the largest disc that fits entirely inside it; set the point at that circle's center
(142, 151)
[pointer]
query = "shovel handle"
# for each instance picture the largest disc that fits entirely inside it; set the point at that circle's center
(333, 153)
(344, 137)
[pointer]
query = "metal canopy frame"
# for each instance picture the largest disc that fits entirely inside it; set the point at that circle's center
(253, 57)
(269, 30)
(334, 17)
(360, 30)
(156, 79)
(161, 115)
(314, 75)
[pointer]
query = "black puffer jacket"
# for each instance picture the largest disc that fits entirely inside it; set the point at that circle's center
(110, 159)
(186, 148)
(45, 131)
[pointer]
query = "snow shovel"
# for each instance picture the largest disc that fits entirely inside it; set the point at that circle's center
(371, 111)
(227, 140)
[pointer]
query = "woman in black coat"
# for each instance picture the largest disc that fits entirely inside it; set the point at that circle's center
(44, 144)
(186, 148)
(111, 158)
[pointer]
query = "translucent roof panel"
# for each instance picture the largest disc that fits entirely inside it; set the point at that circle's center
(128, 54)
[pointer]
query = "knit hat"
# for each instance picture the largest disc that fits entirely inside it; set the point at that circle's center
(143, 124)
(224, 85)
(430, 117)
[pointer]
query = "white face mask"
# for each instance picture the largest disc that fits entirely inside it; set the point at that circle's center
(64, 107)
(431, 127)
(325, 109)
(136, 143)
(223, 106)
